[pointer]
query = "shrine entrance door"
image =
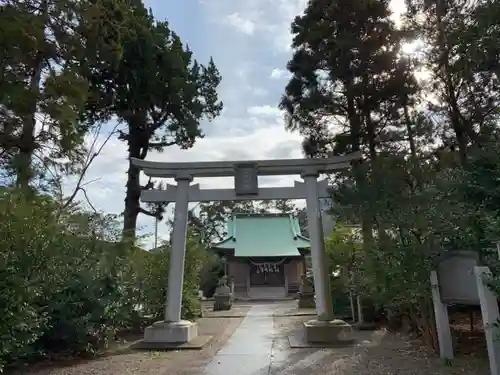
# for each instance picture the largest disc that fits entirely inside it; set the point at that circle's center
(267, 273)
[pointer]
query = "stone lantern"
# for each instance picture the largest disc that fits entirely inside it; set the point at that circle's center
(223, 296)
(306, 294)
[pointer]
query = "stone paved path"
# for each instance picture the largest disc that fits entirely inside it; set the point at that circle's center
(250, 350)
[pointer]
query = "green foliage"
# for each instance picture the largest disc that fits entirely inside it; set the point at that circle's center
(210, 274)
(67, 283)
(196, 256)
(153, 285)
(64, 290)
(48, 49)
(344, 249)
(428, 178)
(153, 278)
(58, 290)
(158, 90)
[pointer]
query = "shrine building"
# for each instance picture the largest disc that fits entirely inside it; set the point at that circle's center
(265, 255)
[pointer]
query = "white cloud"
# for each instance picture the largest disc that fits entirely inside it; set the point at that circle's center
(277, 73)
(288, 10)
(258, 91)
(265, 110)
(270, 19)
(268, 141)
(241, 24)
(245, 83)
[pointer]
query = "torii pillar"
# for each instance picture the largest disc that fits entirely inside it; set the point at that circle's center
(324, 329)
(173, 330)
(321, 275)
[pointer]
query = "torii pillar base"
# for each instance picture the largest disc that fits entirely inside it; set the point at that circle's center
(163, 335)
(328, 332)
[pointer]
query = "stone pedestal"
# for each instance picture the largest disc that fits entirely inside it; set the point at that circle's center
(306, 300)
(170, 332)
(222, 303)
(327, 332)
(223, 298)
(306, 295)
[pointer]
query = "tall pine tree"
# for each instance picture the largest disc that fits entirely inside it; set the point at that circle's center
(47, 49)
(160, 92)
(460, 51)
(346, 85)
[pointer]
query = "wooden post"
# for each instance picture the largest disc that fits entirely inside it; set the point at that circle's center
(442, 320)
(490, 315)
(359, 303)
(353, 309)
(285, 269)
(248, 278)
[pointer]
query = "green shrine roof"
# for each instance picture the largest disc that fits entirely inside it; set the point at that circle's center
(264, 235)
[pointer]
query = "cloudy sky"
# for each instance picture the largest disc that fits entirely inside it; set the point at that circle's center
(249, 41)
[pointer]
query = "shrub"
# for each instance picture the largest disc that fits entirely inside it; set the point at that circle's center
(210, 274)
(59, 293)
(66, 291)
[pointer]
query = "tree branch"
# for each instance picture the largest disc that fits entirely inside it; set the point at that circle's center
(90, 182)
(161, 144)
(87, 199)
(156, 215)
(91, 155)
(158, 119)
(52, 173)
(197, 222)
(149, 185)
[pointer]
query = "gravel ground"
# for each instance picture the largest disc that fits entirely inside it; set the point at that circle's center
(238, 310)
(387, 354)
(380, 353)
(127, 362)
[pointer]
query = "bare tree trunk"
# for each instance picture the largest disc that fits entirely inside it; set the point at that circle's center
(136, 149)
(413, 147)
(132, 202)
(462, 130)
(359, 304)
(27, 144)
(426, 323)
(353, 309)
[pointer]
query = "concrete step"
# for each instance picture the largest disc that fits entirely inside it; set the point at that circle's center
(267, 293)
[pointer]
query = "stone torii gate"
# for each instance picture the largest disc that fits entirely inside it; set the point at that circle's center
(173, 330)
